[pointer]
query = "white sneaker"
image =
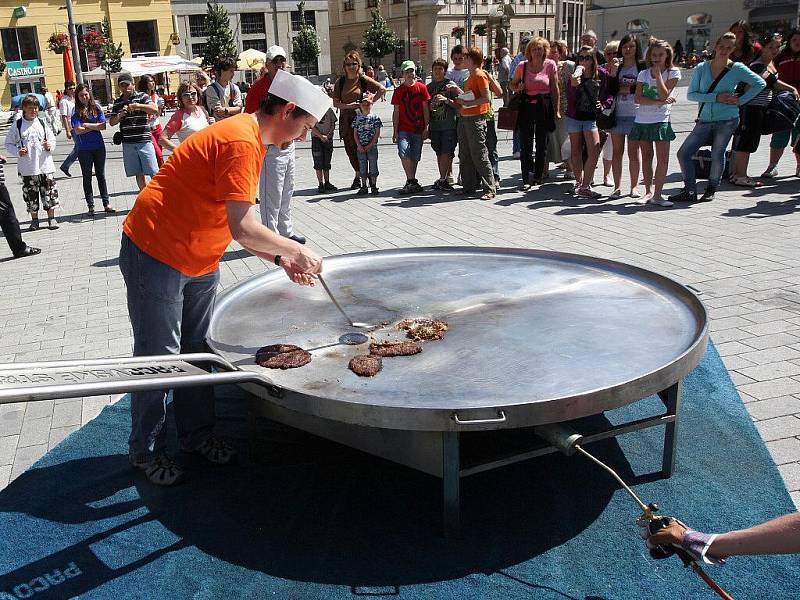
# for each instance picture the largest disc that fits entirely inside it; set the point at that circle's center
(660, 202)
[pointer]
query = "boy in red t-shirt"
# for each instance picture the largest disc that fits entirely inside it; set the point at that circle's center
(410, 119)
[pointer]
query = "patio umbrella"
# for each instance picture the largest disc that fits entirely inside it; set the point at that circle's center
(251, 60)
(17, 100)
(69, 68)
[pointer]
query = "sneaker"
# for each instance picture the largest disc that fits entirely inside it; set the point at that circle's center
(437, 185)
(65, 171)
(660, 202)
(321, 188)
(329, 187)
(708, 196)
(160, 470)
(683, 196)
(356, 183)
(109, 209)
(216, 451)
(405, 190)
(446, 186)
(90, 212)
(586, 192)
(374, 190)
(362, 191)
(771, 172)
(416, 187)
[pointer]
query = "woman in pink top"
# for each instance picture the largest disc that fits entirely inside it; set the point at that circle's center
(189, 118)
(536, 80)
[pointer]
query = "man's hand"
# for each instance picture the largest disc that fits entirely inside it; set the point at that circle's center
(23, 151)
(47, 146)
(302, 269)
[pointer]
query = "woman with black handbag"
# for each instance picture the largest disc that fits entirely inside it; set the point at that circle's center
(788, 65)
(536, 82)
(751, 117)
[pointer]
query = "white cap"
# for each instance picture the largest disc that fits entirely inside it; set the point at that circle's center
(274, 52)
(297, 89)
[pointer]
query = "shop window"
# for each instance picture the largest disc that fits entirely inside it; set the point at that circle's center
(253, 23)
(197, 26)
(19, 43)
(260, 45)
(311, 19)
(143, 37)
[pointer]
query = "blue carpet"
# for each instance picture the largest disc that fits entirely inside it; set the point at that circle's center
(322, 521)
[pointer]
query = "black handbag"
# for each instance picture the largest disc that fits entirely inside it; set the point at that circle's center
(781, 113)
(117, 139)
(606, 121)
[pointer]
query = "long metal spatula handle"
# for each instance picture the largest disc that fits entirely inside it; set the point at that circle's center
(331, 296)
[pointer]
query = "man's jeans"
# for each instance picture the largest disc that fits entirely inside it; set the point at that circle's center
(170, 313)
(71, 157)
(717, 134)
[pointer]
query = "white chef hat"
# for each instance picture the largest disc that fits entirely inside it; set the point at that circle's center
(297, 89)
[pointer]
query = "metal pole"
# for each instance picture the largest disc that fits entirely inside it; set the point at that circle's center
(73, 41)
(469, 22)
(408, 28)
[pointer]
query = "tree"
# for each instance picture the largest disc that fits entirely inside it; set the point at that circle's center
(305, 46)
(110, 55)
(220, 42)
(379, 40)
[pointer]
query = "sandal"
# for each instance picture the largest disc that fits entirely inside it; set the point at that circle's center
(615, 195)
(746, 182)
(216, 451)
(524, 187)
(109, 209)
(488, 196)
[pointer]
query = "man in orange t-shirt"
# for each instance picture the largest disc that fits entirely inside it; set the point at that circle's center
(172, 242)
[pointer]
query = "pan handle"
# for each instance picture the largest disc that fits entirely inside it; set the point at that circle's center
(501, 418)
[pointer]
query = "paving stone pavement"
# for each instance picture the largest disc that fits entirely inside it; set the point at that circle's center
(740, 253)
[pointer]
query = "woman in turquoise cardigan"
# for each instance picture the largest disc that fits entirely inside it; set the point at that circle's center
(718, 117)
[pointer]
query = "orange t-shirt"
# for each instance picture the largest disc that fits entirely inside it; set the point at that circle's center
(180, 218)
(477, 83)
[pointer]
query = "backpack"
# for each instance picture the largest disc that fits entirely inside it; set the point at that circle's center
(220, 94)
(41, 122)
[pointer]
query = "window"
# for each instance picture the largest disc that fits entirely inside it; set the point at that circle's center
(348, 4)
(311, 19)
(197, 26)
(19, 43)
(253, 23)
(260, 45)
(198, 50)
(372, 3)
(143, 37)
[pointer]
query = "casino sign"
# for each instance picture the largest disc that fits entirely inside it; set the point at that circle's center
(18, 69)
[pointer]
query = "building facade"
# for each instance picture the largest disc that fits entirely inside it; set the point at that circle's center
(426, 27)
(256, 24)
(695, 23)
(144, 27)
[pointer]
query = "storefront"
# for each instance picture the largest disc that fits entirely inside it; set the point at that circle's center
(25, 76)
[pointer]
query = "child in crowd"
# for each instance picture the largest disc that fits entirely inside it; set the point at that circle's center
(444, 134)
(367, 133)
(411, 117)
(322, 150)
(30, 139)
(651, 124)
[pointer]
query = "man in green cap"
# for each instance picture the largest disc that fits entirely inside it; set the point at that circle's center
(410, 119)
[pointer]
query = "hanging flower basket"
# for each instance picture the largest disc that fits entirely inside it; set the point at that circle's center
(58, 43)
(480, 30)
(93, 41)
(458, 32)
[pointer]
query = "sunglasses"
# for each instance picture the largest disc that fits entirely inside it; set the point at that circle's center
(351, 65)
(189, 95)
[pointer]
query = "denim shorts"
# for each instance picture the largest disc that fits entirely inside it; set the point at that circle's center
(409, 145)
(139, 159)
(444, 141)
(623, 126)
(576, 126)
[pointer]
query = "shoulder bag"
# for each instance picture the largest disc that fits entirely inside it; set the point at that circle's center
(507, 116)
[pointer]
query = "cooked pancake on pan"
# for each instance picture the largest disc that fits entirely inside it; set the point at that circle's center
(366, 365)
(423, 329)
(282, 356)
(387, 349)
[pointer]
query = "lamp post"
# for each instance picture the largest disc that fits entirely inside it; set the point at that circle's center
(469, 23)
(408, 29)
(73, 42)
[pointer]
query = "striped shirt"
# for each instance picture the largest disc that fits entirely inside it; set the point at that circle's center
(135, 127)
(764, 97)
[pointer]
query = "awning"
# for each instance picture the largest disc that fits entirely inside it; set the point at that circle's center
(148, 66)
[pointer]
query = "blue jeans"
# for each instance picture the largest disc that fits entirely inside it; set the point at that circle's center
(714, 133)
(71, 157)
(368, 163)
(170, 313)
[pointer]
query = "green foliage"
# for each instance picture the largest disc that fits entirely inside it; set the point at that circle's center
(220, 42)
(305, 46)
(111, 55)
(379, 39)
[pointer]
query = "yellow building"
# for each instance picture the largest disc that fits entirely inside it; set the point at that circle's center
(144, 27)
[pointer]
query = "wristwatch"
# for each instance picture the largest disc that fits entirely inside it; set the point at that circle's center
(277, 260)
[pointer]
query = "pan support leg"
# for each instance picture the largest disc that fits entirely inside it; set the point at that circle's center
(671, 397)
(451, 483)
